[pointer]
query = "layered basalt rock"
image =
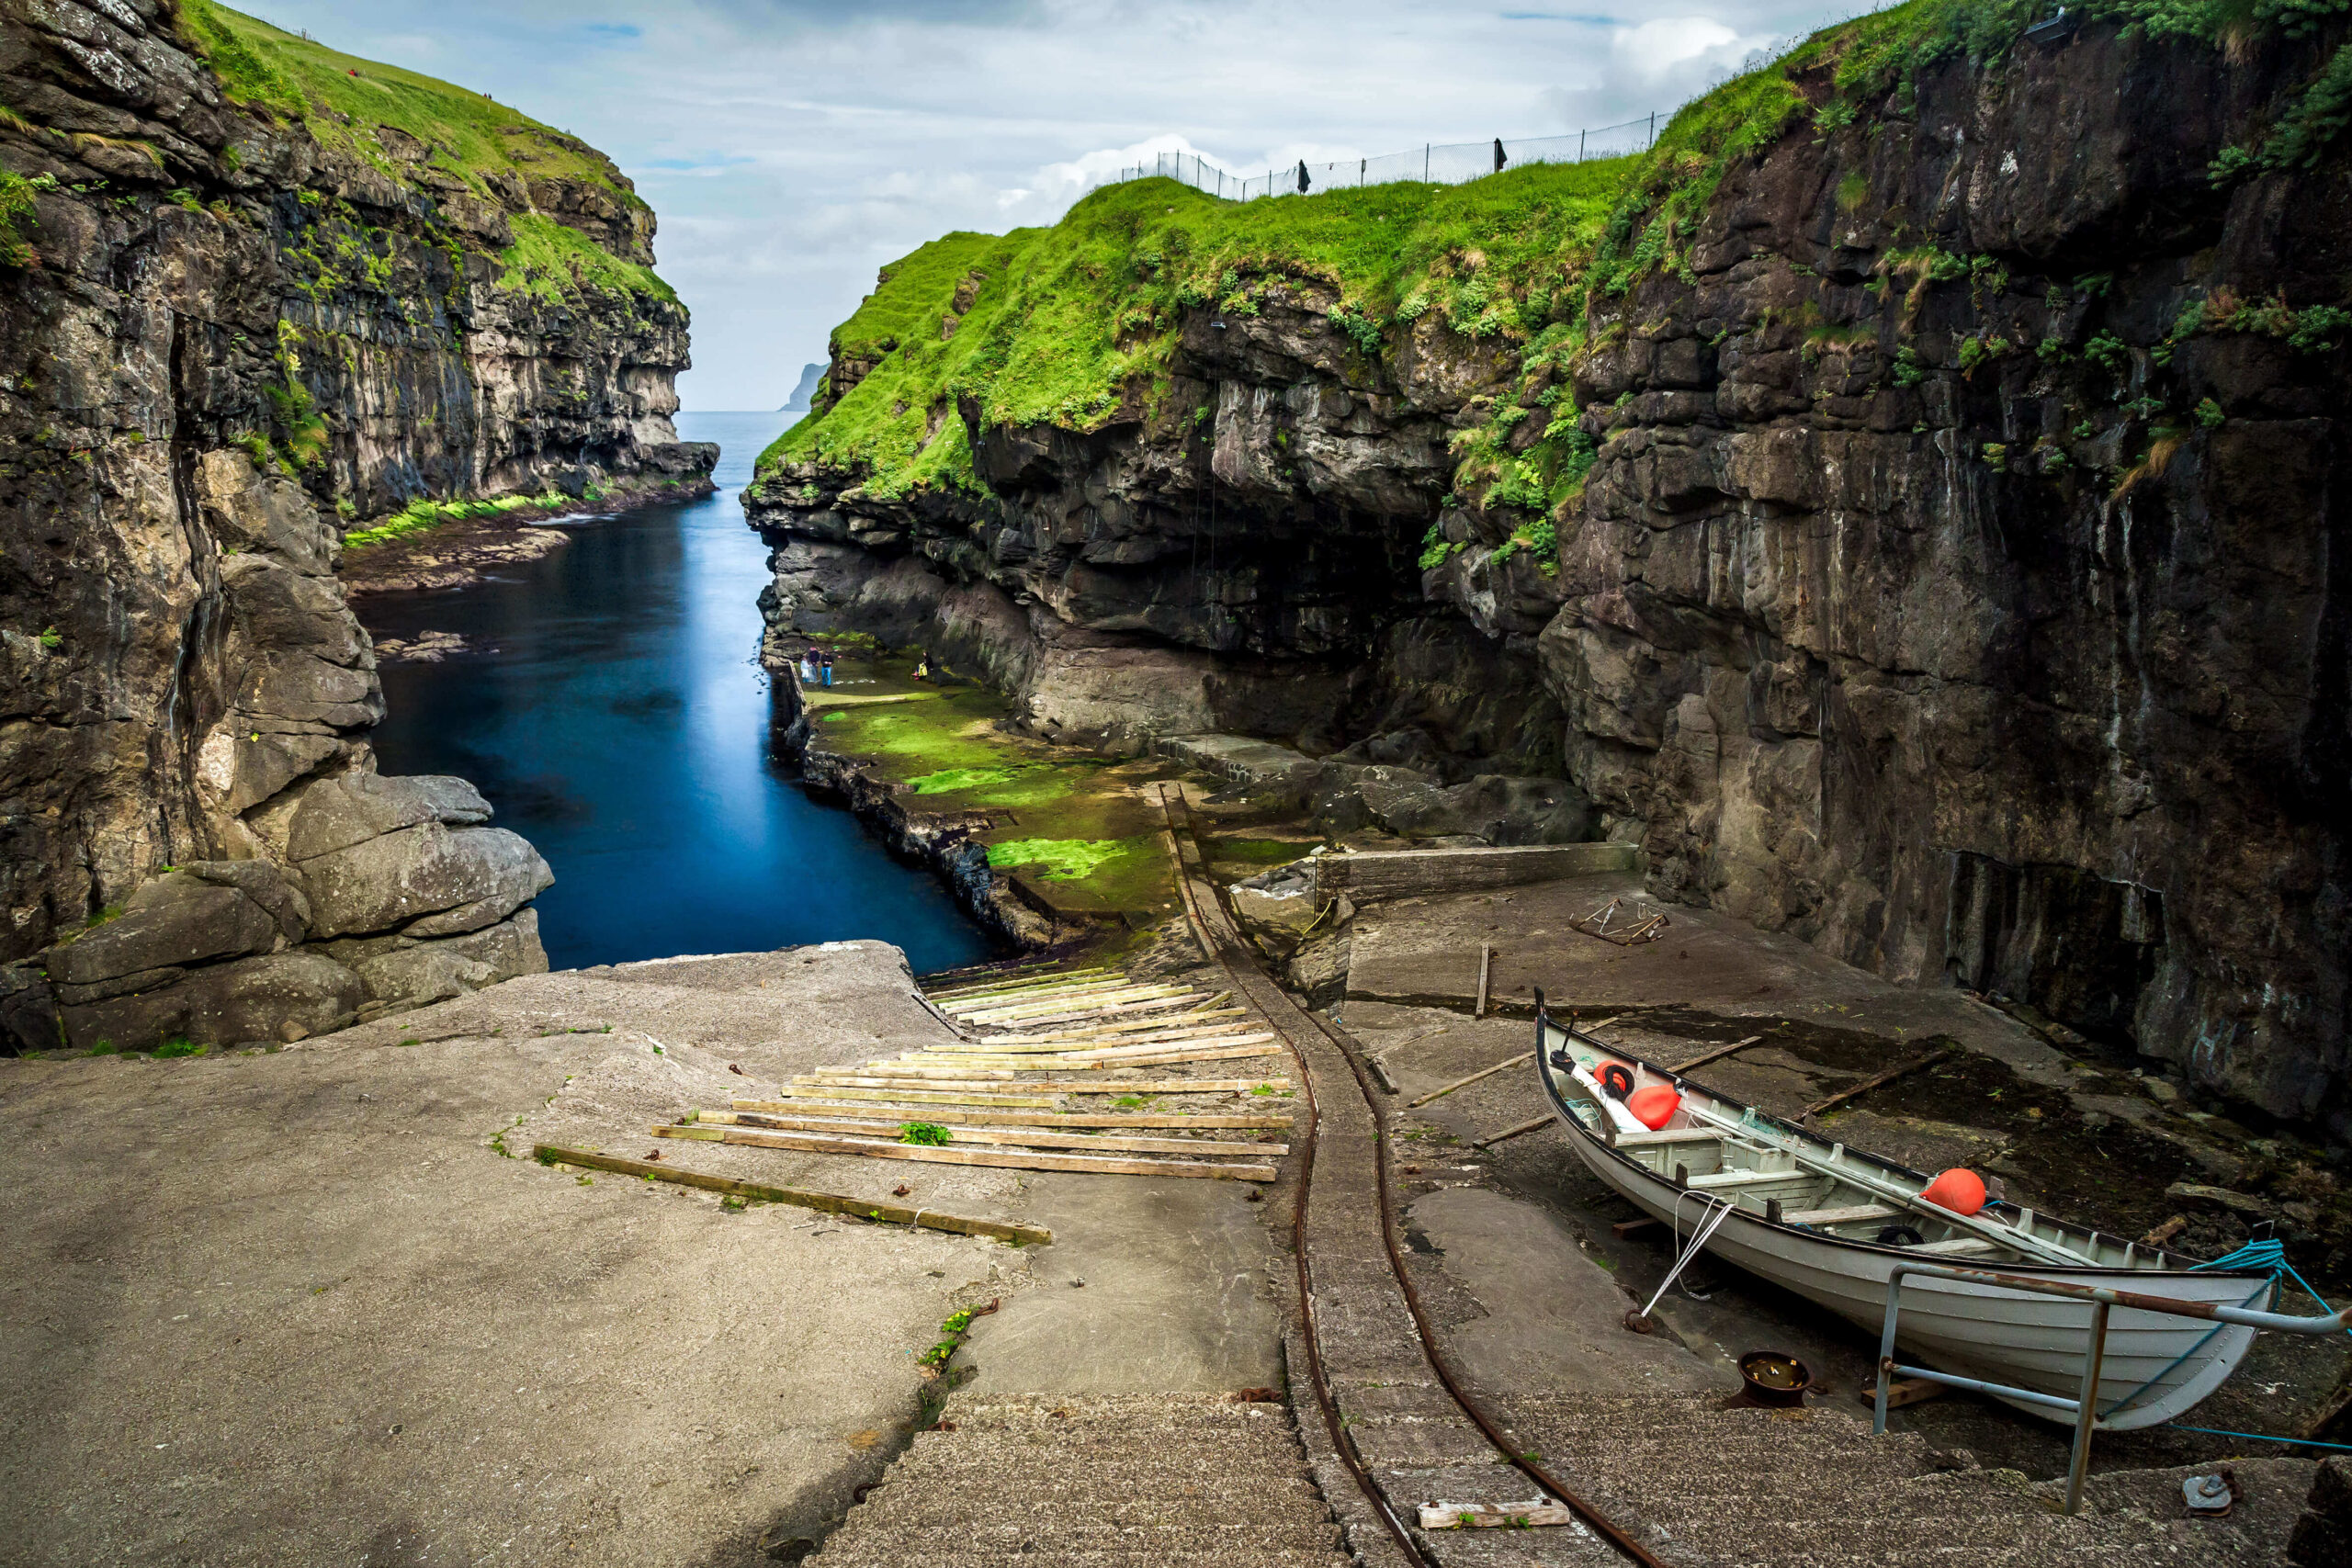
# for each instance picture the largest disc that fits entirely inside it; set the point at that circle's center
(1961, 584)
(221, 333)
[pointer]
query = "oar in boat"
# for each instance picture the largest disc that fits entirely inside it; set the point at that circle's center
(2004, 1236)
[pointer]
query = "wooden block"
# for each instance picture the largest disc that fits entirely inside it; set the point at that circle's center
(819, 1144)
(1626, 1230)
(1901, 1391)
(827, 1202)
(1534, 1514)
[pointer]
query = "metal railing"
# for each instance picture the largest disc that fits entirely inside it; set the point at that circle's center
(2084, 1404)
(1438, 163)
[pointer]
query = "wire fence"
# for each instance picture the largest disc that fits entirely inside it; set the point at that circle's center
(1440, 162)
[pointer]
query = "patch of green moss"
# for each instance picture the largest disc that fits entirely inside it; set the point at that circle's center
(421, 516)
(554, 263)
(1108, 874)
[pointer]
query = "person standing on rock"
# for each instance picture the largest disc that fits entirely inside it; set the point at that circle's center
(808, 666)
(825, 666)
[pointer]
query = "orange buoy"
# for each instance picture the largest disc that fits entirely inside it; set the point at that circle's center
(1654, 1107)
(1958, 1189)
(1615, 1079)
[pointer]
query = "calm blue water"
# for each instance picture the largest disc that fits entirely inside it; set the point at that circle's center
(622, 726)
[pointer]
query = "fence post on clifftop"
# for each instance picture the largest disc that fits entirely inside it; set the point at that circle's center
(1652, 141)
(1579, 146)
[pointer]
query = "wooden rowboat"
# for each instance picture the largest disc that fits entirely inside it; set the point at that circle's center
(1830, 1222)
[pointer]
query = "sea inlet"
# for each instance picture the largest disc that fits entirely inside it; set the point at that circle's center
(610, 704)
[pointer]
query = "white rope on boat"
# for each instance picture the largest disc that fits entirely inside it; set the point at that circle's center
(1722, 1209)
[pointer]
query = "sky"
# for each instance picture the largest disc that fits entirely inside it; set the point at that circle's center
(793, 147)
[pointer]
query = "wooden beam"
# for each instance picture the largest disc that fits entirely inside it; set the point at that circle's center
(918, 1096)
(1091, 1064)
(1626, 1230)
(1901, 1391)
(1485, 970)
(1109, 999)
(1474, 1077)
(818, 1144)
(1181, 1020)
(1721, 1051)
(1006, 1046)
(1532, 1126)
(1015, 1136)
(1059, 977)
(958, 1073)
(1843, 1095)
(956, 1117)
(1532, 1514)
(1106, 1085)
(824, 1203)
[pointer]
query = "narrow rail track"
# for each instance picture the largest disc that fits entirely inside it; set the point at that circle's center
(1323, 1053)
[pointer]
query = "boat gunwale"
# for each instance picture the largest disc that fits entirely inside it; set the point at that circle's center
(2177, 1265)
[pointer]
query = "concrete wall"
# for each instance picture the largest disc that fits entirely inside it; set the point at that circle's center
(1401, 873)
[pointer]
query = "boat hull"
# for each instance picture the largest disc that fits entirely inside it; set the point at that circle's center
(2163, 1365)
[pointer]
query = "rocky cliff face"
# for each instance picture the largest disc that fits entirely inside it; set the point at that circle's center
(1960, 581)
(224, 319)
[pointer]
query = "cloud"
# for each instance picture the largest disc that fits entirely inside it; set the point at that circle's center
(1655, 49)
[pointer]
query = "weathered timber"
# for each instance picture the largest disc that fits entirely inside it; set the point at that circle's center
(1032, 1137)
(1535, 1513)
(1012, 1044)
(1532, 1124)
(1474, 1077)
(825, 1202)
(1085, 1001)
(954, 1116)
(919, 1096)
(818, 1144)
(1914, 1064)
(1063, 980)
(1486, 973)
(1181, 1020)
(1716, 1054)
(1149, 1005)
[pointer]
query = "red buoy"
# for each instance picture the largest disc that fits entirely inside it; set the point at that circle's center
(1654, 1107)
(1960, 1191)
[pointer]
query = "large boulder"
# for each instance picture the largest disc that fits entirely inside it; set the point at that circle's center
(387, 881)
(401, 972)
(336, 813)
(281, 996)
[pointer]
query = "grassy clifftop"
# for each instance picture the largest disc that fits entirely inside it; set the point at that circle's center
(1063, 325)
(421, 130)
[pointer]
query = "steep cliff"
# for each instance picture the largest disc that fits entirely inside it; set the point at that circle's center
(1904, 502)
(249, 289)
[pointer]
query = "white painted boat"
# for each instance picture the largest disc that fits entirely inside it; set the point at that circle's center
(1830, 1224)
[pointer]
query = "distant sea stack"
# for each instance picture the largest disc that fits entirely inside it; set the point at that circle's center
(255, 294)
(1908, 502)
(809, 376)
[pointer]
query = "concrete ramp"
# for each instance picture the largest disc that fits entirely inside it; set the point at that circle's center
(1152, 1481)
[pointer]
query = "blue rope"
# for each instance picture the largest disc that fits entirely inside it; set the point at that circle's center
(2260, 1436)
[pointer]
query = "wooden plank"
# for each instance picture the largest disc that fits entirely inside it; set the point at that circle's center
(1719, 1052)
(1103, 998)
(1002, 1045)
(857, 1080)
(1128, 1086)
(1055, 981)
(1016, 1136)
(1152, 1004)
(1843, 1095)
(824, 1203)
(1532, 1124)
(1626, 1230)
(959, 1073)
(1057, 977)
(1126, 1053)
(1129, 1026)
(1229, 1035)
(1852, 1214)
(1272, 1121)
(1474, 1077)
(922, 1096)
(819, 1144)
(1536, 1513)
(1094, 1064)
(1485, 970)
